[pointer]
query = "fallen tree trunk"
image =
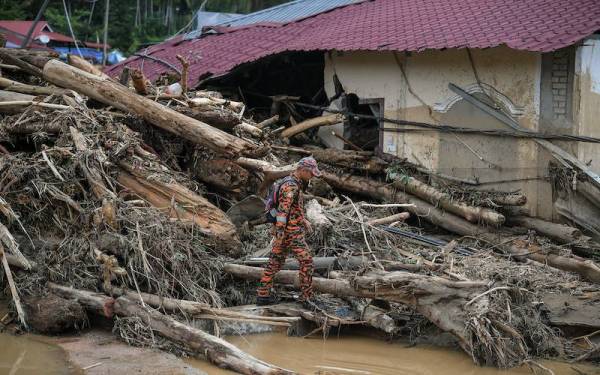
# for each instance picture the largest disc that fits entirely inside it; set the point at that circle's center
(450, 222)
(113, 93)
(10, 85)
(559, 232)
(338, 263)
(216, 350)
(190, 207)
(590, 192)
(357, 160)
(312, 123)
(443, 302)
(579, 210)
(198, 309)
(83, 64)
(443, 200)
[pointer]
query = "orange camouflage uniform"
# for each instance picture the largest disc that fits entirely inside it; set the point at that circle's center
(289, 236)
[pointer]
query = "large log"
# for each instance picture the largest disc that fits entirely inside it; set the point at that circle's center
(119, 96)
(590, 192)
(443, 302)
(312, 123)
(10, 85)
(559, 232)
(445, 201)
(216, 350)
(357, 160)
(83, 64)
(190, 206)
(453, 223)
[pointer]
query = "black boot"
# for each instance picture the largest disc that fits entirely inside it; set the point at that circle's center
(265, 301)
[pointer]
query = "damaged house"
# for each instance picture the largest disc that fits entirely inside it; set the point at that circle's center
(498, 70)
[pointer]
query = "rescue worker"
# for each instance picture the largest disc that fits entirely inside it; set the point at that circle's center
(288, 230)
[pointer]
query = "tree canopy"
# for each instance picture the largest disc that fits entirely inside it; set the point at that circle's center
(132, 23)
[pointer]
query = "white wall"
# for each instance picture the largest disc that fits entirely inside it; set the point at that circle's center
(515, 76)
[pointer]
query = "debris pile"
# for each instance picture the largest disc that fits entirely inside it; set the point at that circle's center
(136, 201)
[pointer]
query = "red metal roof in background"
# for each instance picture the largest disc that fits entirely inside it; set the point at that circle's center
(386, 25)
(22, 27)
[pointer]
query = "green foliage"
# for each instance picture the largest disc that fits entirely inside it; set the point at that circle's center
(156, 23)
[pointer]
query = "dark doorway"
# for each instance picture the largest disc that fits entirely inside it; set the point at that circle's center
(364, 132)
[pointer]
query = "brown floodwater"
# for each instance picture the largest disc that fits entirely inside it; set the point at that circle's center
(357, 355)
(22, 355)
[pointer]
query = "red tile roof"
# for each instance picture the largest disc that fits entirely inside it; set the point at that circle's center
(386, 25)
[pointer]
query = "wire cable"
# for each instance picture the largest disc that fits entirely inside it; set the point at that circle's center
(71, 28)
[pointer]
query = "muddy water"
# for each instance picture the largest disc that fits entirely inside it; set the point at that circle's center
(366, 356)
(25, 356)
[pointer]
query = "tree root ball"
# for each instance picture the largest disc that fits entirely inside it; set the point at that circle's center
(53, 314)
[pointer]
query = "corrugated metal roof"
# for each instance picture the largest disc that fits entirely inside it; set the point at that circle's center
(385, 25)
(294, 10)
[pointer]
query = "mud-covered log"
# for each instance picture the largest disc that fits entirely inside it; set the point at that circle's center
(216, 350)
(559, 232)
(445, 201)
(190, 206)
(119, 96)
(221, 173)
(440, 300)
(312, 123)
(10, 85)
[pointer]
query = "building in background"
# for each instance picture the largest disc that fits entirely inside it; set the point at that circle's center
(44, 37)
(477, 64)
